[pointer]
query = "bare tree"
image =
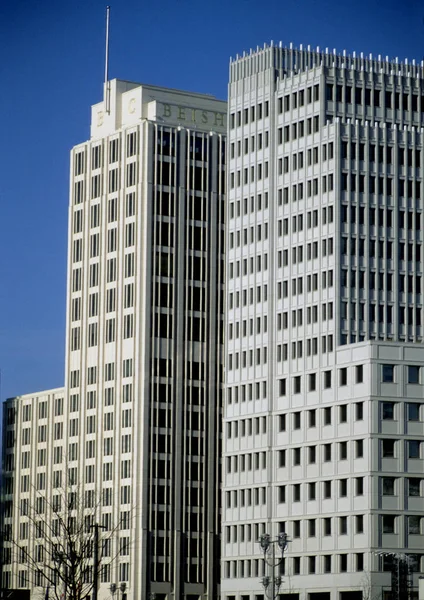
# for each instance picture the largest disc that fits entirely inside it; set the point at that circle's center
(57, 542)
(369, 592)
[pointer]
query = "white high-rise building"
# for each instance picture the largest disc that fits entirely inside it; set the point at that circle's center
(141, 411)
(324, 409)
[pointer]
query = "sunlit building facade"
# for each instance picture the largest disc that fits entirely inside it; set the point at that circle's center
(324, 416)
(141, 410)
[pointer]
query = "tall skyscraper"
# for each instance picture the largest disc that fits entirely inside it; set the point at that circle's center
(138, 424)
(324, 414)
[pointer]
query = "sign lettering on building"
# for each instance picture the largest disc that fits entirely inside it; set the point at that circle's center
(198, 116)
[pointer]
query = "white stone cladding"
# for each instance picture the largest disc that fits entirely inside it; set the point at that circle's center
(144, 335)
(324, 280)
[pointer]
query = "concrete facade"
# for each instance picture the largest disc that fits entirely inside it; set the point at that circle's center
(142, 401)
(324, 286)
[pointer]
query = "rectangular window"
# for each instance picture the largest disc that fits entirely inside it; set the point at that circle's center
(387, 373)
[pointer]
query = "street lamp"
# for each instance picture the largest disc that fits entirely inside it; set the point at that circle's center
(112, 588)
(272, 560)
(123, 587)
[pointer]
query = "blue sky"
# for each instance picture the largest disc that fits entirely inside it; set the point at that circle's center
(51, 73)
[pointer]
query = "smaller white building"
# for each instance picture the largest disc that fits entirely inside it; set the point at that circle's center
(338, 465)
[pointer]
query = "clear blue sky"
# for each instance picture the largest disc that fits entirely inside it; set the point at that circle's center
(51, 72)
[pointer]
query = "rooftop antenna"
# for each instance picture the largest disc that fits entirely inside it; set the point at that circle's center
(107, 88)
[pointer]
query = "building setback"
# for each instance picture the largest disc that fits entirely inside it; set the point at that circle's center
(141, 408)
(324, 417)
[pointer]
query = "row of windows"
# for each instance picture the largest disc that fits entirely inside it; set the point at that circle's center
(385, 249)
(245, 426)
(257, 173)
(258, 203)
(391, 411)
(391, 448)
(242, 463)
(311, 249)
(406, 188)
(373, 97)
(297, 565)
(390, 373)
(380, 154)
(297, 287)
(327, 382)
(98, 151)
(250, 115)
(94, 272)
(95, 246)
(249, 144)
(109, 334)
(256, 113)
(312, 348)
(234, 329)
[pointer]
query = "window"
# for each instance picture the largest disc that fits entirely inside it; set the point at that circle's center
(359, 486)
(342, 488)
(359, 523)
(413, 411)
(414, 524)
(327, 452)
(343, 450)
(388, 373)
(296, 384)
(388, 523)
(327, 525)
(359, 561)
(327, 489)
(359, 411)
(413, 374)
(327, 415)
(327, 379)
(359, 372)
(327, 563)
(414, 486)
(414, 449)
(359, 448)
(388, 486)
(343, 563)
(343, 413)
(343, 376)
(388, 448)
(342, 525)
(387, 411)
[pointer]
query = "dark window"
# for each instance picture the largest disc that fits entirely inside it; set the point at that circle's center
(388, 448)
(388, 411)
(388, 523)
(388, 373)
(413, 374)
(414, 486)
(413, 411)
(414, 449)
(388, 486)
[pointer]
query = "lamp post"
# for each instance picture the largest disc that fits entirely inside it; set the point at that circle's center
(401, 567)
(123, 587)
(112, 588)
(272, 560)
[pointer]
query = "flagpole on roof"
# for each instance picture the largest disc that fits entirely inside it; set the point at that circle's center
(107, 89)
